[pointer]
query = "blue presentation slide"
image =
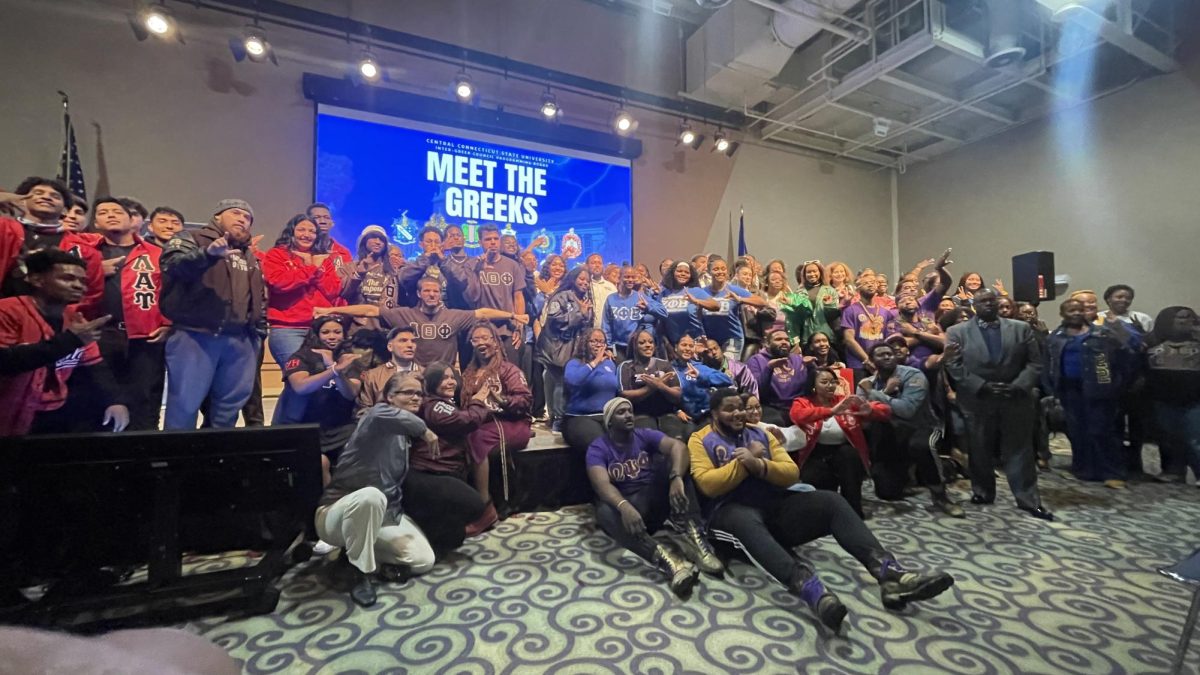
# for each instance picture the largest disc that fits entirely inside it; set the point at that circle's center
(403, 175)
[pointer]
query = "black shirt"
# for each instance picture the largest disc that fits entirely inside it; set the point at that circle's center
(326, 406)
(114, 304)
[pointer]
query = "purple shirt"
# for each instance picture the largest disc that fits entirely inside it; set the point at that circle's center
(496, 285)
(630, 467)
(779, 386)
(871, 325)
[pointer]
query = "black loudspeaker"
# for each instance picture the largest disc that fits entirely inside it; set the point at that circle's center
(1033, 276)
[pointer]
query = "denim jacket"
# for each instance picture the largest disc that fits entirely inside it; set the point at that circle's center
(1110, 360)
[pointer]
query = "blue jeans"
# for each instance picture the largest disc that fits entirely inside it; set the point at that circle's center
(282, 343)
(1178, 436)
(200, 364)
(1096, 449)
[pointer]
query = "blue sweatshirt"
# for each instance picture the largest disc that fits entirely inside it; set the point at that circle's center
(588, 389)
(725, 323)
(694, 390)
(683, 317)
(622, 316)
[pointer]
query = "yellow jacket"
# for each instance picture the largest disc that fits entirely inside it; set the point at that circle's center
(714, 481)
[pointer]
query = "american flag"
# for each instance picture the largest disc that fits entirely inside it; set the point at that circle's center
(70, 171)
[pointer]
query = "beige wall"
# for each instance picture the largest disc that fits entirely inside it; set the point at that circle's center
(1112, 188)
(797, 212)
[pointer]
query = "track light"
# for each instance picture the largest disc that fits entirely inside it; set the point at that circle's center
(550, 108)
(723, 145)
(689, 137)
(252, 45)
(624, 123)
(463, 89)
(368, 67)
(153, 20)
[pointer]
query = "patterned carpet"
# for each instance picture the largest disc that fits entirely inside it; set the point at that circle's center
(548, 592)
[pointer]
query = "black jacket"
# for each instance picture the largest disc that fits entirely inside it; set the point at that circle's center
(197, 287)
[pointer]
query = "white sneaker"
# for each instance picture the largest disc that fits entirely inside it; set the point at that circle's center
(323, 549)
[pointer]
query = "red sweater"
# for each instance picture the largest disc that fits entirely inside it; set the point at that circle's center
(141, 282)
(12, 241)
(23, 395)
(295, 287)
(810, 417)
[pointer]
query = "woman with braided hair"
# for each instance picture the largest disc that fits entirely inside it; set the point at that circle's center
(509, 398)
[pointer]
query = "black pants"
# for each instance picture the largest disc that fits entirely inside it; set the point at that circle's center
(669, 424)
(140, 369)
(837, 468)
(1131, 420)
(1003, 427)
(533, 369)
(897, 447)
(579, 431)
(443, 505)
(653, 502)
(776, 416)
(769, 533)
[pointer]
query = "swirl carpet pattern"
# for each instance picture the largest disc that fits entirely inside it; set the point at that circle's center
(550, 593)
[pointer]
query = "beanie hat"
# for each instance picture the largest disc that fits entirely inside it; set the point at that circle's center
(611, 407)
(226, 204)
(371, 230)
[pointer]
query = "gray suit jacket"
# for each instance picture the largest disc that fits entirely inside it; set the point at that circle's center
(1020, 362)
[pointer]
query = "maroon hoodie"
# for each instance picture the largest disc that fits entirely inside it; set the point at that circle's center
(452, 426)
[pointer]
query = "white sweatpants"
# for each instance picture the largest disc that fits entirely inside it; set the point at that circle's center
(355, 523)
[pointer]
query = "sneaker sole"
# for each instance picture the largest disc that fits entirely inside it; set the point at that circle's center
(931, 589)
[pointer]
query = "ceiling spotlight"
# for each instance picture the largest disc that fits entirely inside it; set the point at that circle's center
(463, 89)
(154, 20)
(688, 137)
(550, 108)
(368, 67)
(624, 123)
(252, 45)
(723, 145)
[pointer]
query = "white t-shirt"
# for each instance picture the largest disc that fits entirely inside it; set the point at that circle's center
(831, 433)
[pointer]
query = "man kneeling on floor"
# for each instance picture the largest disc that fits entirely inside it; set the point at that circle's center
(744, 476)
(361, 509)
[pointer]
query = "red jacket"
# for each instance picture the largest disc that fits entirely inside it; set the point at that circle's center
(12, 240)
(141, 281)
(23, 395)
(810, 417)
(295, 287)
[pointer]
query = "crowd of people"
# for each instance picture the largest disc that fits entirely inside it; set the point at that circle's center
(733, 399)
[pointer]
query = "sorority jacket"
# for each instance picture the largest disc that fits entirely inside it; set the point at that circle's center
(807, 414)
(452, 425)
(564, 320)
(141, 285)
(391, 295)
(694, 389)
(804, 319)
(12, 248)
(511, 384)
(1110, 355)
(197, 287)
(719, 478)
(25, 393)
(296, 287)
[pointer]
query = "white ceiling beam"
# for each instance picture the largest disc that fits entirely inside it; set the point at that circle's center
(937, 92)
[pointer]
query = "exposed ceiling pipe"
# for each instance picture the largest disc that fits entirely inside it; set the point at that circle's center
(1004, 34)
(792, 10)
(1082, 15)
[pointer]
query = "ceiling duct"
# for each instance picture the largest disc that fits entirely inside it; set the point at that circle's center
(733, 57)
(1004, 33)
(1094, 16)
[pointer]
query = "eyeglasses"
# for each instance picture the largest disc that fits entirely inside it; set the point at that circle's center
(411, 393)
(597, 342)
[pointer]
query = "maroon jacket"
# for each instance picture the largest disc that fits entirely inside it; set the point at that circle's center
(452, 426)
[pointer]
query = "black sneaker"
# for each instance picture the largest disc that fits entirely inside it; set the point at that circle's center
(898, 587)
